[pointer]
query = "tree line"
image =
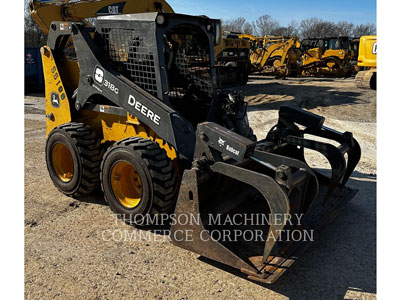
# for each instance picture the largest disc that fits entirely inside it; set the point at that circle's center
(34, 37)
(308, 28)
(264, 25)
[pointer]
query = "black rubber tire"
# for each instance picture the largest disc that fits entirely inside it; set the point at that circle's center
(156, 171)
(86, 153)
(373, 81)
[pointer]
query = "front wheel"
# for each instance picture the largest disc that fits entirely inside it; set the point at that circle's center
(138, 178)
(73, 158)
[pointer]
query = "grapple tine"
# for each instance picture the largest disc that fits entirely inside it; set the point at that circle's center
(348, 145)
(278, 160)
(276, 198)
(334, 156)
(353, 157)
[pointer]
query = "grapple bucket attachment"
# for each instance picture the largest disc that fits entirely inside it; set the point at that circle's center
(256, 206)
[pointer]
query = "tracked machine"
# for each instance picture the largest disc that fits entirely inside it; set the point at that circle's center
(327, 57)
(146, 120)
(366, 77)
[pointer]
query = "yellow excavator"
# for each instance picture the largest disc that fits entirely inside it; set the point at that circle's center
(274, 54)
(231, 55)
(366, 78)
(326, 57)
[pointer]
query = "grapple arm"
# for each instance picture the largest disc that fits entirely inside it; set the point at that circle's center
(276, 170)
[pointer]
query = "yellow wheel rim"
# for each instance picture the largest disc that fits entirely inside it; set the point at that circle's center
(62, 162)
(276, 63)
(126, 184)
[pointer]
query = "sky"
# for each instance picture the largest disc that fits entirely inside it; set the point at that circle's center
(355, 11)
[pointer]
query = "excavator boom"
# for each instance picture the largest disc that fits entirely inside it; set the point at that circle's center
(279, 50)
(45, 12)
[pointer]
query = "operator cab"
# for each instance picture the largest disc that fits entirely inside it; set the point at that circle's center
(170, 56)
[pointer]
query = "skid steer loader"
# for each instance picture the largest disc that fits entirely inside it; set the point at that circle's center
(146, 120)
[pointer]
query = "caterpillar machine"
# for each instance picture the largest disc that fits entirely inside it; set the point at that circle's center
(146, 120)
(366, 78)
(231, 54)
(327, 57)
(234, 54)
(273, 54)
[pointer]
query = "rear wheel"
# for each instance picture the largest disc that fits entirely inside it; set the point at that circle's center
(138, 178)
(73, 157)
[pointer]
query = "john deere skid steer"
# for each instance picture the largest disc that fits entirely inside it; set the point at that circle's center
(146, 121)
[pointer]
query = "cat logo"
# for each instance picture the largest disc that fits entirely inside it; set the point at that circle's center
(221, 142)
(374, 48)
(113, 10)
(55, 100)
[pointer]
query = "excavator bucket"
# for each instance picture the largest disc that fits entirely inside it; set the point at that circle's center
(256, 206)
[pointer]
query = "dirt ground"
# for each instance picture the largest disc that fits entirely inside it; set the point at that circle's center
(67, 257)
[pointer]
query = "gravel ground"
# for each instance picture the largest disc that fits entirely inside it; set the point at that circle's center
(67, 257)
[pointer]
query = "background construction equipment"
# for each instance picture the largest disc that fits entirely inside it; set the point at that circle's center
(327, 57)
(273, 54)
(366, 77)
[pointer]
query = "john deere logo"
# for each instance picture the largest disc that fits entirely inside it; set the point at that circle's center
(55, 100)
(99, 75)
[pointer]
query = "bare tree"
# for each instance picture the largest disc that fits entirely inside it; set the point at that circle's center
(292, 29)
(34, 37)
(267, 26)
(364, 29)
(238, 25)
(249, 28)
(317, 28)
(344, 28)
(289, 31)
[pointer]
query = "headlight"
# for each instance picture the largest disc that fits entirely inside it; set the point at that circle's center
(160, 20)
